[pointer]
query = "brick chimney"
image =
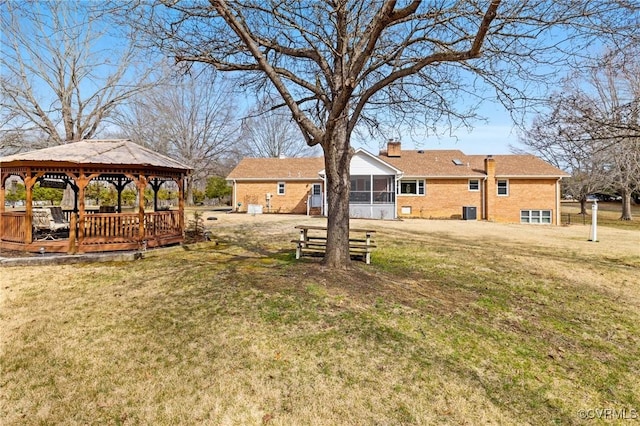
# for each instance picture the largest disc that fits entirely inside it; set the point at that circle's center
(393, 148)
(490, 189)
(490, 166)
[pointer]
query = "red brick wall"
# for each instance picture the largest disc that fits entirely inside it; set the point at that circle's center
(443, 199)
(526, 194)
(254, 192)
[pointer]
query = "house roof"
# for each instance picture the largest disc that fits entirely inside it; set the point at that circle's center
(519, 165)
(412, 163)
(434, 163)
(119, 152)
(454, 163)
(277, 168)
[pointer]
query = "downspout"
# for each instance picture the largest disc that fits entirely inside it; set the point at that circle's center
(395, 195)
(482, 195)
(235, 194)
(558, 212)
(324, 194)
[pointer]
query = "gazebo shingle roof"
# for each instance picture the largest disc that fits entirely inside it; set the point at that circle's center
(107, 152)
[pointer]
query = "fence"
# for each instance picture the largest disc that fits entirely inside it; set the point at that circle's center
(575, 218)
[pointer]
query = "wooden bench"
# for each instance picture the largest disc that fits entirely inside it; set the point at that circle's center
(313, 241)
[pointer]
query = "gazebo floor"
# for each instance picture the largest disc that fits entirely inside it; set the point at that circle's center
(88, 246)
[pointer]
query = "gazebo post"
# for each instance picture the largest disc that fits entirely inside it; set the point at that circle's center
(73, 222)
(3, 180)
(155, 185)
(119, 187)
(82, 182)
(76, 191)
(142, 184)
(29, 181)
(180, 183)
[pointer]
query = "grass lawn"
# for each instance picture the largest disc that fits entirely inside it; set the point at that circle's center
(453, 323)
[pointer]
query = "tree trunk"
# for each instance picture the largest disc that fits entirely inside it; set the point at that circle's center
(337, 159)
(583, 205)
(626, 205)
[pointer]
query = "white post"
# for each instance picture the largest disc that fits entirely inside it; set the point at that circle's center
(594, 222)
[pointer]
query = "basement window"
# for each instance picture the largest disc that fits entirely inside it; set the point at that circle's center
(535, 216)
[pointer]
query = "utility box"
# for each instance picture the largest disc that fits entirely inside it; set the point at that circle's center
(469, 213)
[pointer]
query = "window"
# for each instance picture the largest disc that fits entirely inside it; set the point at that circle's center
(474, 185)
(360, 190)
(411, 187)
(503, 187)
(384, 189)
(280, 188)
(372, 189)
(535, 216)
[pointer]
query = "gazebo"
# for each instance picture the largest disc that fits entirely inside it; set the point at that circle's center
(117, 162)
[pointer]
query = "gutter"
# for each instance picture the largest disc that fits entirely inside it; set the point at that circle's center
(482, 196)
(399, 176)
(558, 196)
(323, 178)
(235, 194)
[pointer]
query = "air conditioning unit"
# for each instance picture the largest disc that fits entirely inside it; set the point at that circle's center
(469, 213)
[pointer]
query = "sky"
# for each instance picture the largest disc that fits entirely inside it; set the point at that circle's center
(495, 135)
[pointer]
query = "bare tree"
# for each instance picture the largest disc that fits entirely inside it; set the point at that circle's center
(61, 74)
(614, 116)
(273, 133)
(592, 129)
(194, 119)
(337, 64)
(562, 139)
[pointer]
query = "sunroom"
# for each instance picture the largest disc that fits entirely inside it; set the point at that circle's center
(373, 187)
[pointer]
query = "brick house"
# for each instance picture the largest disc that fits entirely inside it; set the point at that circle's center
(400, 183)
(279, 185)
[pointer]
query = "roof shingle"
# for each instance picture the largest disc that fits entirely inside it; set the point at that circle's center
(413, 163)
(278, 168)
(108, 152)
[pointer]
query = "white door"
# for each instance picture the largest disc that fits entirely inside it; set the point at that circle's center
(316, 195)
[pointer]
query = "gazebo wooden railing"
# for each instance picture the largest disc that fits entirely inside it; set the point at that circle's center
(12, 226)
(98, 232)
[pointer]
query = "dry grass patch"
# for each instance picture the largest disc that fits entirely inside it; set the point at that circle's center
(453, 323)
